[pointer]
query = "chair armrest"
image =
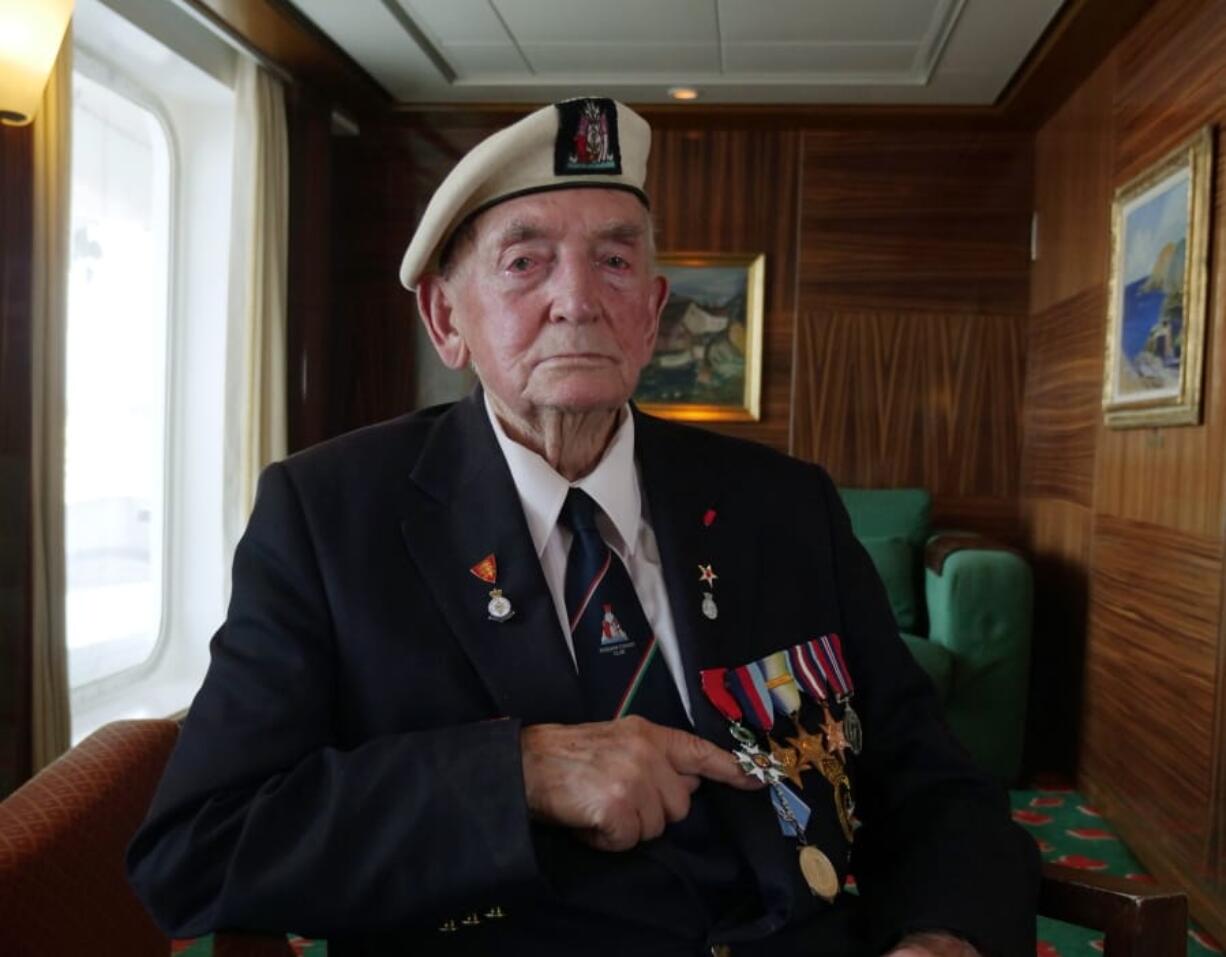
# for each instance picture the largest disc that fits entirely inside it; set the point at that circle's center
(1138, 920)
(979, 609)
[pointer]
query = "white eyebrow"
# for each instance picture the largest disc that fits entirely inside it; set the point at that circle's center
(518, 231)
(621, 231)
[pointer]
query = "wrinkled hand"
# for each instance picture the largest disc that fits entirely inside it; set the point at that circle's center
(617, 783)
(933, 945)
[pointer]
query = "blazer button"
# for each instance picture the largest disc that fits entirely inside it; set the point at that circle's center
(447, 927)
(472, 920)
(495, 913)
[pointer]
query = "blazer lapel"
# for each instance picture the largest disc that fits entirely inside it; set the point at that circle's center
(698, 520)
(460, 507)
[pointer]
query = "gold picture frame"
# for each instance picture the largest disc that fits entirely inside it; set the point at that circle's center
(1156, 311)
(707, 364)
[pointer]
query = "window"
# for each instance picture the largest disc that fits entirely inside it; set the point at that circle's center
(115, 474)
(153, 135)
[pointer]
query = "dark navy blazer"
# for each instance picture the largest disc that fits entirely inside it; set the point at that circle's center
(350, 768)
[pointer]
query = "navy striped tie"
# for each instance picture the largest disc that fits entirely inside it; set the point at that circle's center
(620, 666)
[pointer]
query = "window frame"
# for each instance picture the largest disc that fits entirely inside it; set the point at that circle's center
(104, 71)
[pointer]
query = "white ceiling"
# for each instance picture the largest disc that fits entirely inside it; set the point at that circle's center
(732, 51)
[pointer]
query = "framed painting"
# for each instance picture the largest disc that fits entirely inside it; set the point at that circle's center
(707, 364)
(1157, 307)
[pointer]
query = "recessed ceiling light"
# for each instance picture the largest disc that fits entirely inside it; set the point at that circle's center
(683, 93)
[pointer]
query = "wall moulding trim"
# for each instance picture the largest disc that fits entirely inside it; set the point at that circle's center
(776, 117)
(1216, 850)
(275, 32)
(1076, 41)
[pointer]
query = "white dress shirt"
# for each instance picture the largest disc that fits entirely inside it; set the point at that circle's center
(622, 521)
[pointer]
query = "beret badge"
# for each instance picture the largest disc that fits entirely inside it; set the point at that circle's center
(587, 139)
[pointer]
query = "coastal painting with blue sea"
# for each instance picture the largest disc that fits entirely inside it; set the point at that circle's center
(1151, 330)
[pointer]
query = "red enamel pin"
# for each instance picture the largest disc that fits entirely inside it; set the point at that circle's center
(486, 569)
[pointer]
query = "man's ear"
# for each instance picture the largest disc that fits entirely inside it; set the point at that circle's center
(434, 304)
(657, 300)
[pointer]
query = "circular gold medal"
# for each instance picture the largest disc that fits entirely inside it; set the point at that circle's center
(819, 873)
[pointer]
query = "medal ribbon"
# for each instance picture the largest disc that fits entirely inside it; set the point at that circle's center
(749, 687)
(808, 670)
(715, 687)
(830, 651)
(781, 682)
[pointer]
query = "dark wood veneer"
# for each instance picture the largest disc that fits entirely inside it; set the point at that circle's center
(16, 188)
(1140, 544)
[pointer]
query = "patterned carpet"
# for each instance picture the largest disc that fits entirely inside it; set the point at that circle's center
(1068, 831)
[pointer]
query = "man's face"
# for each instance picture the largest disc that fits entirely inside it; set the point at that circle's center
(555, 301)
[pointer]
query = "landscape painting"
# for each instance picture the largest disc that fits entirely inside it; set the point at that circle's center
(707, 363)
(1156, 327)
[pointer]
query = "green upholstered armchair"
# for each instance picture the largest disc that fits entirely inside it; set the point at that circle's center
(963, 606)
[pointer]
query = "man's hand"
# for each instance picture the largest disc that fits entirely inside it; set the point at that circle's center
(620, 782)
(933, 945)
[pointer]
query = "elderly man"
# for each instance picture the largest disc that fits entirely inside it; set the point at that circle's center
(538, 674)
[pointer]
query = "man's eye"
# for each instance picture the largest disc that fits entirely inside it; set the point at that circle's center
(617, 262)
(520, 263)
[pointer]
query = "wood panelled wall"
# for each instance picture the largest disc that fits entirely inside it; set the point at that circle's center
(721, 190)
(914, 265)
(713, 189)
(1126, 526)
(908, 246)
(16, 189)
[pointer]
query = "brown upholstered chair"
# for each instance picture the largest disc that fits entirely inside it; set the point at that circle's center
(63, 890)
(62, 840)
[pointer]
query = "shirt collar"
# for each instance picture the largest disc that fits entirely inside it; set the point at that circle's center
(613, 484)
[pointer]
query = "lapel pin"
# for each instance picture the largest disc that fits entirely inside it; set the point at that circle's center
(499, 607)
(708, 517)
(707, 576)
(486, 569)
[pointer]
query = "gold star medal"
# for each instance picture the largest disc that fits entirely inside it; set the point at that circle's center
(836, 742)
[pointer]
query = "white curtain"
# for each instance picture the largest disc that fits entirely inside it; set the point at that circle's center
(51, 725)
(255, 351)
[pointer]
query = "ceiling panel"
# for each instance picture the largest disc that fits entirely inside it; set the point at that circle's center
(732, 51)
(988, 34)
(621, 60)
(472, 60)
(610, 21)
(829, 21)
(370, 33)
(896, 60)
(455, 21)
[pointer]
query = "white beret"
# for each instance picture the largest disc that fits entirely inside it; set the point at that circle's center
(576, 143)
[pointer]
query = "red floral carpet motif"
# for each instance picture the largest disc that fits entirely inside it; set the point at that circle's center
(1071, 832)
(1091, 834)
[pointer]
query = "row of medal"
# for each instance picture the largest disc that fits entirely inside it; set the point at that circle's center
(754, 694)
